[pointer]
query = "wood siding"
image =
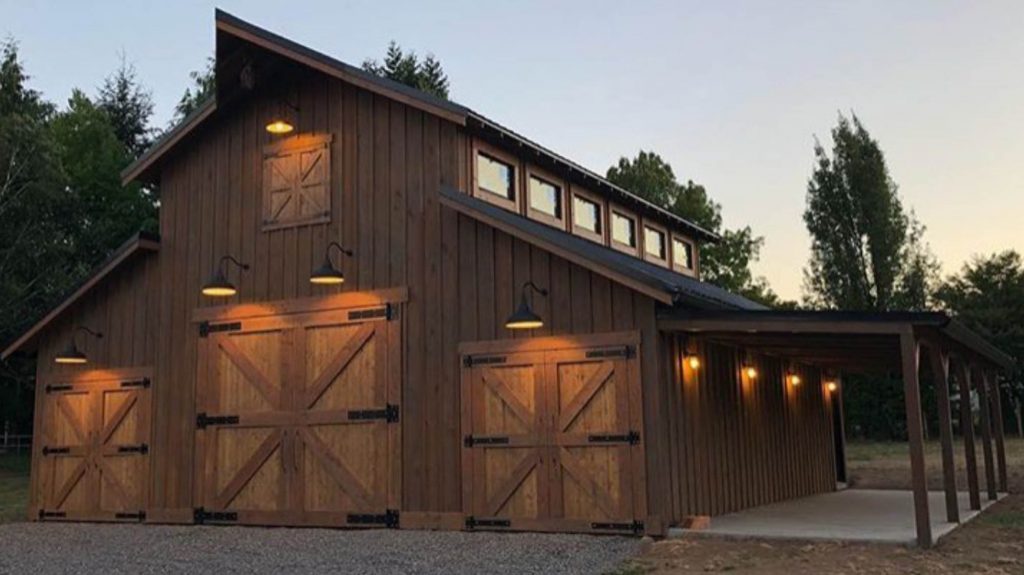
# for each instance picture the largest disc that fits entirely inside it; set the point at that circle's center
(739, 443)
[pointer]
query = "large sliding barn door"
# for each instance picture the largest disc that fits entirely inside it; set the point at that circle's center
(94, 446)
(298, 420)
(552, 439)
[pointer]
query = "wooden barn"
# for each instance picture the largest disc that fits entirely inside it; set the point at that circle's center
(370, 307)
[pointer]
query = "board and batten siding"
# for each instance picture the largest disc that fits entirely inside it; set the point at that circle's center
(123, 308)
(388, 164)
(738, 443)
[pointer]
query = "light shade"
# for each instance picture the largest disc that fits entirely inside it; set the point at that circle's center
(71, 355)
(219, 286)
(751, 372)
(832, 386)
(794, 379)
(524, 317)
(326, 274)
(693, 361)
(278, 127)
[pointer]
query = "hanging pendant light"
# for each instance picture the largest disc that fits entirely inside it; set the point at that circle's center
(284, 119)
(327, 274)
(71, 355)
(524, 317)
(218, 285)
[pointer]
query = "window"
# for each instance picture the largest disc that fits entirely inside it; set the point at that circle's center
(496, 177)
(682, 254)
(623, 231)
(586, 215)
(655, 245)
(297, 182)
(545, 201)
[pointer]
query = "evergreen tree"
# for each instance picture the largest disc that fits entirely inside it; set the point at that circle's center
(129, 108)
(202, 88)
(867, 253)
(406, 68)
(727, 263)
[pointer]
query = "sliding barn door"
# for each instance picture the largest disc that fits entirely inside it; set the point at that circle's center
(552, 439)
(95, 447)
(298, 420)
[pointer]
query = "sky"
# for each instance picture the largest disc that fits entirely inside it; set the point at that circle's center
(732, 94)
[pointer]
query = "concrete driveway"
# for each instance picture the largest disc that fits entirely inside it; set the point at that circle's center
(42, 548)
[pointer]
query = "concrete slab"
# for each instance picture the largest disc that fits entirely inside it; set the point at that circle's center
(869, 515)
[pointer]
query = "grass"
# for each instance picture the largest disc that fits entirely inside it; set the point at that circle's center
(13, 487)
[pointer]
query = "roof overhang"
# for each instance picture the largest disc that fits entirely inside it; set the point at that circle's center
(842, 339)
(138, 244)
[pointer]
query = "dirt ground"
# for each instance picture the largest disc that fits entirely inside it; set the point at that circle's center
(991, 544)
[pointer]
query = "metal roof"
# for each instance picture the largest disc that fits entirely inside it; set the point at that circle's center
(676, 288)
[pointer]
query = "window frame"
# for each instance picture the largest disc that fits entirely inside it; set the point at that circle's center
(602, 211)
(294, 145)
(534, 214)
(647, 256)
(614, 209)
(691, 271)
(512, 204)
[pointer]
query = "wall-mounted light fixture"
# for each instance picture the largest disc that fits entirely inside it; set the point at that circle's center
(750, 371)
(524, 317)
(284, 119)
(693, 361)
(832, 386)
(327, 274)
(795, 380)
(71, 354)
(219, 286)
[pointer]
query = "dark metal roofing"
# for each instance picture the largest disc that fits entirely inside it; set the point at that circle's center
(476, 120)
(141, 240)
(684, 290)
(792, 320)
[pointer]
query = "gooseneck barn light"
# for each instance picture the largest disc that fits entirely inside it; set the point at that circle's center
(524, 317)
(219, 286)
(327, 274)
(71, 353)
(283, 121)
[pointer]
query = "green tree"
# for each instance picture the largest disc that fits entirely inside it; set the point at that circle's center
(987, 295)
(202, 88)
(867, 253)
(727, 263)
(129, 107)
(406, 67)
(101, 213)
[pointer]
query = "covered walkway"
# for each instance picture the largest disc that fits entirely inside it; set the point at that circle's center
(867, 515)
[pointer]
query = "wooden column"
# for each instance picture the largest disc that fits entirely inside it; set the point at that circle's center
(940, 371)
(986, 431)
(967, 430)
(910, 356)
(997, 420)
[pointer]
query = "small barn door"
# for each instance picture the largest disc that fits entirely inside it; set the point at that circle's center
(552, 439)
(95, 447)
(298, 420)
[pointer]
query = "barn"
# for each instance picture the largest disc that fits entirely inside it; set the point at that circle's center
(370, 307)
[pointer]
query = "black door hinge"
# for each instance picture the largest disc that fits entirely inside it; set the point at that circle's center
(59, 387)
(142, 449)
(206, 328)
(473, 441)
(631, 438)
(200, 515)
(47, 450)
(636, 527)
(387, 312)
(626, 351)
(143, 383)
(52, 514)
(203, 420)
(389, 414)
(138, 516)
(471, 361)
(389, 519)
(473, 523)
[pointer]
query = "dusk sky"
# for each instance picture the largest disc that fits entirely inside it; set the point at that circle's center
(732, 94)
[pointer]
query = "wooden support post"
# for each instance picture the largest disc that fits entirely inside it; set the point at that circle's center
(967, 430)
(910, 356)
(997, 412)
(985, 407)
(940, 371)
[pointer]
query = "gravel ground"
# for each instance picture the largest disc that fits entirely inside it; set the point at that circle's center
(41, 548)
